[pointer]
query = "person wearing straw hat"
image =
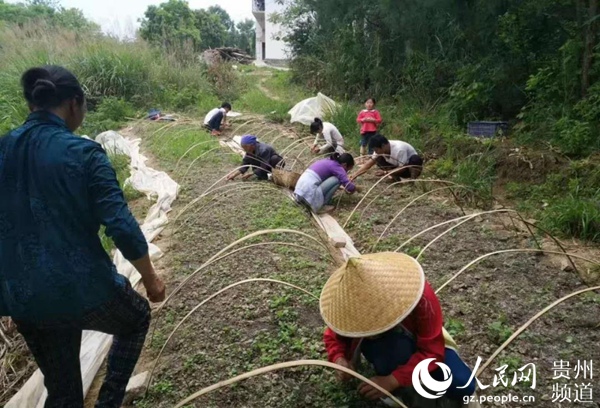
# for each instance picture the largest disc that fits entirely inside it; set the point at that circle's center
(391, 156)
(261, 157)
(318, 183)
(381, 307)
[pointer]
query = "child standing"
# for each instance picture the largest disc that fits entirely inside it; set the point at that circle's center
(369, 120)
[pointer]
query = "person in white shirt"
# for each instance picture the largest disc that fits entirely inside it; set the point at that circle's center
(394, 157)
(217, 118)
(334, 141)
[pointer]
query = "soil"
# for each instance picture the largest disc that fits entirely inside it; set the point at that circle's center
(242, 330)
(259, 324)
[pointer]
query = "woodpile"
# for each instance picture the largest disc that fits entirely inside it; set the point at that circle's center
(215, 55)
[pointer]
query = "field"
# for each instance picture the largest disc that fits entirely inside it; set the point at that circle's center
(261, 323)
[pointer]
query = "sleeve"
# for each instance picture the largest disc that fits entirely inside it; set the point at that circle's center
(316, 142)
(336, 136)
(110, 208)
(335, 345)
(360, 117)
(246, 161)
(342, 176)
(429, 337)
(378, 117)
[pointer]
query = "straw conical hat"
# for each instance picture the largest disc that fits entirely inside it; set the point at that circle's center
(371, 294)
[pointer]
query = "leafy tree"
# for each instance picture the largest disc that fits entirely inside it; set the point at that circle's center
(246, 36)
(171, 25)
(47, 10)
(212, 30)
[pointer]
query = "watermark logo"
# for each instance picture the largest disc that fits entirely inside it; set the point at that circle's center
(422, 377)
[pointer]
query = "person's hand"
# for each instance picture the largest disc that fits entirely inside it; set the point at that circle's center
(231, 177)
(155, 287)
(340, 375)
(314, 149)
(388, 383)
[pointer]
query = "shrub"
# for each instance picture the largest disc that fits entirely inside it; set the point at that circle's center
(110, 114)
(574, 216)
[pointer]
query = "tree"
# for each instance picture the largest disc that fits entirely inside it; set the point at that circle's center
(246, 36)
(171, 25)
(212, 30)
(48, 11)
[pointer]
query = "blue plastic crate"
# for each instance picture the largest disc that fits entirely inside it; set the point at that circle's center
(487, 129)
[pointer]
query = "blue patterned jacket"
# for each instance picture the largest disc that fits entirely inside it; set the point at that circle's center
(56, 189)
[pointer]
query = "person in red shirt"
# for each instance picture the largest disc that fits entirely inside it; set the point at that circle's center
(381, 306)
(369, 120)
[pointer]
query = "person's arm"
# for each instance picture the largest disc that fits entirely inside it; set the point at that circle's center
(360, 118)
(111, 210)
(363, 169)
(378, 119)
(336, 346)
(429, 337)
(246, 161)
(342, 176)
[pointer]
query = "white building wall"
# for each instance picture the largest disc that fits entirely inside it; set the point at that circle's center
(276, 48)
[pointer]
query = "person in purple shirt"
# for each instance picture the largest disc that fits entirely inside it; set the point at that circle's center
(320, 181)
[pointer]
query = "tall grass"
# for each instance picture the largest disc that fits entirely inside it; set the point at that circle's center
(144, 77)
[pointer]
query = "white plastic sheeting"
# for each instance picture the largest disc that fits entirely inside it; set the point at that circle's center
(94, 346)
(307, 110)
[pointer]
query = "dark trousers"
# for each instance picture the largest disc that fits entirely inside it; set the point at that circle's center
(215, 122)
(275, 161)
(394, 348)
(414, 160)
(365, 138)
(56, 346)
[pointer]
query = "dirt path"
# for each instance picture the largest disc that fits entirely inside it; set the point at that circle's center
(260, 324)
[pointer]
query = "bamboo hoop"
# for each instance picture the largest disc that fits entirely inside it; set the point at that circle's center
(403, 209)
(187, 171)
(442, 224)
(248, 188)
(556, 241)
(399, 182)
(529, 322)
(244, 124)
(434, 240)
(281, 366)
(224, 250)
(510, 251)
(214, 295)
(189, 150)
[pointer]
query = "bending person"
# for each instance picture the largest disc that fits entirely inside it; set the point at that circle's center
(318, 184)
(56, 279)
(390, 156)
(217, 118)
(381, 307)
(261, 157)
(334, 141)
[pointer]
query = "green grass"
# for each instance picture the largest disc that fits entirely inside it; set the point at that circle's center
(174, 141)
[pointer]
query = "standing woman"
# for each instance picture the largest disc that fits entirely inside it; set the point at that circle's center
(321, 180)
(56, 279)
(334, 141)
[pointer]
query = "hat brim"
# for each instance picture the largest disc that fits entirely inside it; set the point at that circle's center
(371, 294)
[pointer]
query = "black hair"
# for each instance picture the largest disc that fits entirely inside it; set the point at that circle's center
(345, 158)
(378, 141)
(371, 99)
(316, 126)
(226, 105)
(49, 86)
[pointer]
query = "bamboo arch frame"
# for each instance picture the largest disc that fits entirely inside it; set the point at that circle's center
(214, 295)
